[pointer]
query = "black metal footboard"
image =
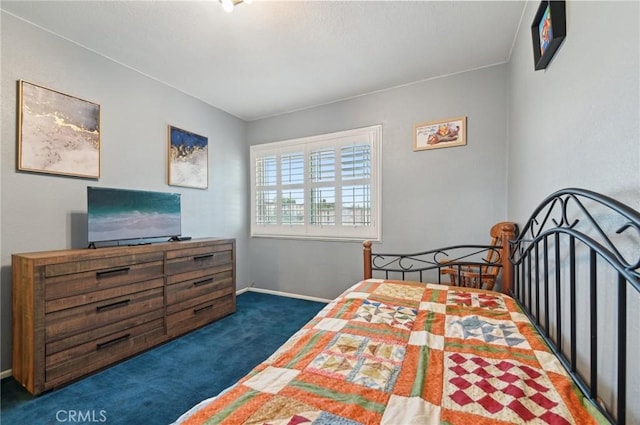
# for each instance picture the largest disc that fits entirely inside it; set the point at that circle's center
(415, 266)
(477, 266)
(577, 277)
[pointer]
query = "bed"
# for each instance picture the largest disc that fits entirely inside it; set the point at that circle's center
(410, 344)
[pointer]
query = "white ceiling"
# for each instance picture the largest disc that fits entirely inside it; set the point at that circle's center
(271, 57)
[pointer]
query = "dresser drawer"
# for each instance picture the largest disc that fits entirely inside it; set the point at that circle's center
(200, 314)
(93, 355)
(104, 263)
(58, 286)
(105, 295)
(199, 274)
(193, 288)
(196, 303)
(192, 259)
(62, 323)
(57, 346)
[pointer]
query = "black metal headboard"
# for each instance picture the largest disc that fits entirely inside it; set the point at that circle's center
(576, 270)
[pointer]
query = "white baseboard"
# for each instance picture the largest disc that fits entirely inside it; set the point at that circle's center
(283, 294)
(6, 373)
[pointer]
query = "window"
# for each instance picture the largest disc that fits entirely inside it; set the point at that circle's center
(325, 186)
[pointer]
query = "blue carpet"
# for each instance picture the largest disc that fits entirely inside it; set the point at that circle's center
(157, 386)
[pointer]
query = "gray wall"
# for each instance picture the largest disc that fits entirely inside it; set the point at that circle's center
(576, 124)
(430, 198)
(45, 212)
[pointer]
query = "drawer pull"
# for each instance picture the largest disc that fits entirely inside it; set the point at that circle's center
(111, 306)
(201, 309)
(203, 282)
(106, 273)
(202, 257)
(112, 342)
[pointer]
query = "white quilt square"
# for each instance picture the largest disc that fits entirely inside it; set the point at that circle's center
(431, 306)
(272, 379)
(519, 317)
(410, 411)
(424, 338)
(357, 295)
(550, 363)
(330, 324)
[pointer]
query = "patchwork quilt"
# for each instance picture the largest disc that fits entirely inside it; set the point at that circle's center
(393, 352)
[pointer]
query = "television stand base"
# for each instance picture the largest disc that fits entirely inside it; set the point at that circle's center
(179, 238)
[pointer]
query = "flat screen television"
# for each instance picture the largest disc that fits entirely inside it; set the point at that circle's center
(125, 215)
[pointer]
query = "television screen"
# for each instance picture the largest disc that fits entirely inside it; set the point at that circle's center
(122, 214)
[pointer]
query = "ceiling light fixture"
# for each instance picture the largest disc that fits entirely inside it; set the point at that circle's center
(228, 5)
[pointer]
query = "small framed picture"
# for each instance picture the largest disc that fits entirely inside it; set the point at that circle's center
(548, 30)
(57, 133)
(188, 159)
(440, 134)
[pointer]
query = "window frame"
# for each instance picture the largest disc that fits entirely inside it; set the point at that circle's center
(372, 135)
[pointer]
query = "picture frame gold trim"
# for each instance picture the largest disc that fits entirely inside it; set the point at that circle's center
(438, 134)
(58, 133)
(187, 159)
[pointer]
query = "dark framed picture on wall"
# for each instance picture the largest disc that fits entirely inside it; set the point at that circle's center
(548, 31)
(57, 133)
(188, 159)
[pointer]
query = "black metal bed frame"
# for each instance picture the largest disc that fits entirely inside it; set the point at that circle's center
(569, 222)
(416, 265)
(550, 246)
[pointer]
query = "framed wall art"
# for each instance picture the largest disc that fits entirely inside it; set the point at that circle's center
(188, 159)
(57, 133)
(548, 30)
(440, 134)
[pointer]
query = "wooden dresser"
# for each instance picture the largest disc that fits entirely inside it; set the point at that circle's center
(77, 311)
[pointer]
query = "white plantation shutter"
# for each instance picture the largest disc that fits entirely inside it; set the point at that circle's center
(356, 192)
(292, 188)
(324, 186)
(265, 194)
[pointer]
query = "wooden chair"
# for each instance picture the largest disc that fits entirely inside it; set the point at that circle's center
(483, 277)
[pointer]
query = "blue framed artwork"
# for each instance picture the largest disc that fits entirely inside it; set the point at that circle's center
(188, 159)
